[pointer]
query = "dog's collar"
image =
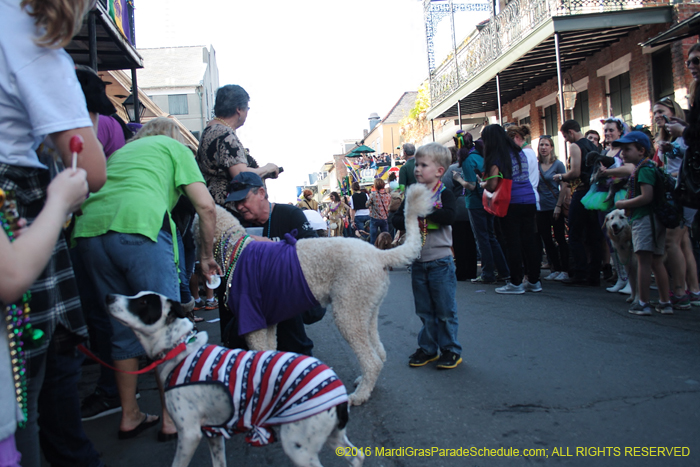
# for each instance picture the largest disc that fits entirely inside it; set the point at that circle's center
(188, 338)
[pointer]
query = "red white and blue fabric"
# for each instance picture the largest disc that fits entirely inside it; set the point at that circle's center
(267, 388)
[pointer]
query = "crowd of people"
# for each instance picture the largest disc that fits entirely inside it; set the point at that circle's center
(61, 254)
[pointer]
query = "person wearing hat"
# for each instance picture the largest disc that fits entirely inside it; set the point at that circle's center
(648, 234)
(248, 195)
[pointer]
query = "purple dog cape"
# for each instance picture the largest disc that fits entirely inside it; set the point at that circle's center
(268, 285)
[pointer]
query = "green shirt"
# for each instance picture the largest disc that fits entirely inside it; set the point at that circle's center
(407, 176)
(144, 182)
(647, 175)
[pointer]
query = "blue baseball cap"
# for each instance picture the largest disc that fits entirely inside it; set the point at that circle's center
(241, 184)
(634, 137)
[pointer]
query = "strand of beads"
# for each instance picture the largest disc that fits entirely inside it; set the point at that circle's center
(21, 335)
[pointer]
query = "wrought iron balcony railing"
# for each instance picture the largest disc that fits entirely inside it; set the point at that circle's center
(517, 20)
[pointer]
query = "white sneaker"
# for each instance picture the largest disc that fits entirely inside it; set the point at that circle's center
(553, 276)
(511, 289)
(562, 276)
(536, 287)
(619, 285)
(627, 289)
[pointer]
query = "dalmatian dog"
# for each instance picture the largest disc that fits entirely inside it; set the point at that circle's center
(620, 234)
(215, 391)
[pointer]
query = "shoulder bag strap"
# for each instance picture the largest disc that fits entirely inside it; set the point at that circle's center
(546, 182)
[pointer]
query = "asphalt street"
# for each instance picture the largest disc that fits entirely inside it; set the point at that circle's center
(567, 372)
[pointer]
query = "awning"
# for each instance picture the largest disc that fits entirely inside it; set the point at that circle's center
(532, 61)
(687, 28)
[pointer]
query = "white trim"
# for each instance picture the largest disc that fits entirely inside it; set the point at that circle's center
(546, 101)
(522, 112)
(619, 66)
(581, 85)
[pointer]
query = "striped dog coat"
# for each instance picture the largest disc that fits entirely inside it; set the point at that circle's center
(267, 388)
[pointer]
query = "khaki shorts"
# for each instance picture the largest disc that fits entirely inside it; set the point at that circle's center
(643, 237)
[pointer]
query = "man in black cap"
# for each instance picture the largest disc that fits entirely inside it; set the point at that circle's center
(248, 194)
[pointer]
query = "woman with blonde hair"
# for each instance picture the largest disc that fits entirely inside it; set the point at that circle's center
(41, 96)
(127, 241)
(549, 215)
(336, 213)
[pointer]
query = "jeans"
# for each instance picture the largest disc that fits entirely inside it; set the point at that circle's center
(584, 234)
(128, 264)
(558, 254)
(360, 222)
(522, 242)
(61, 433)
(99, 324)
(187, 259)
(434, 288)
(375, 226)
(490, 250)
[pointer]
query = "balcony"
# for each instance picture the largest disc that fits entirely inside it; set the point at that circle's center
(521, 37)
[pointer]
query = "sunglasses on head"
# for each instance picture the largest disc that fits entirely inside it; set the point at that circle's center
(693, 61)
(238, 186)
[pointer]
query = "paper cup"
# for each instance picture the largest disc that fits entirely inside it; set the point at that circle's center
(214, 281)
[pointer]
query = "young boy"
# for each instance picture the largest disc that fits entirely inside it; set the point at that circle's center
(433, 274)
(648, 234)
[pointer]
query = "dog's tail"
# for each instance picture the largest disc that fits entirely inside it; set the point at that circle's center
(418, 204)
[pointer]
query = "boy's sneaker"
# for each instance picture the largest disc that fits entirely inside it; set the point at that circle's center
(681, 303)
(481, 280)
(511, 289)
(98, 404)
(552, 276)
(420, 358)
(562, 276)
(448, 360)
(638, 309)
(212, 304)
(536, 287)
(665, 308)
(198, 305)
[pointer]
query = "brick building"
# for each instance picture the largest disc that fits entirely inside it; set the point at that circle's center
(517, 67)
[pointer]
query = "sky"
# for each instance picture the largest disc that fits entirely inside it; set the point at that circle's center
(314, 70)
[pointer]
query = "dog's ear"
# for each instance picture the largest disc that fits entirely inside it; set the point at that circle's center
(176, 311)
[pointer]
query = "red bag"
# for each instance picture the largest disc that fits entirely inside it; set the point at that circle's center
(497, 203)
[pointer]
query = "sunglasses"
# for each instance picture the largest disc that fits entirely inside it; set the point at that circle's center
(693, 61)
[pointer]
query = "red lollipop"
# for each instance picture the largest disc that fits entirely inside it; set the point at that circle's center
(76, 146)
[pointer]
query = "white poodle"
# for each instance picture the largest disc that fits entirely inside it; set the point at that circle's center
(347, 273)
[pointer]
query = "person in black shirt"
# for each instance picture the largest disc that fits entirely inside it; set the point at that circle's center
(584, 227)
(276, 220)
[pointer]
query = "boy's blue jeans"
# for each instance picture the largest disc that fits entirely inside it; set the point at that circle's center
(434, 287)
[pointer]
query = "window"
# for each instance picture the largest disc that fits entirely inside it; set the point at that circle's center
(662, 69)
(551, 123)
(621, 97)
(581, 111)
(177, 104)
(524, 121)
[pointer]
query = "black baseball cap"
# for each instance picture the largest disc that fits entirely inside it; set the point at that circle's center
(241, 184)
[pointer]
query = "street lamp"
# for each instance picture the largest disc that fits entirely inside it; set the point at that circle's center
(128, 105)
(569, 93)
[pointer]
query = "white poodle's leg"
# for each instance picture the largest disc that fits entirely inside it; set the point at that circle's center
(357, 334)
(272, 337)
(257, 340)
(374, 335)
(187, 441)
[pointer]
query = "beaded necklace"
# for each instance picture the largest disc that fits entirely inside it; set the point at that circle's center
(237, 250)
(20, 333)
(437, 204)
